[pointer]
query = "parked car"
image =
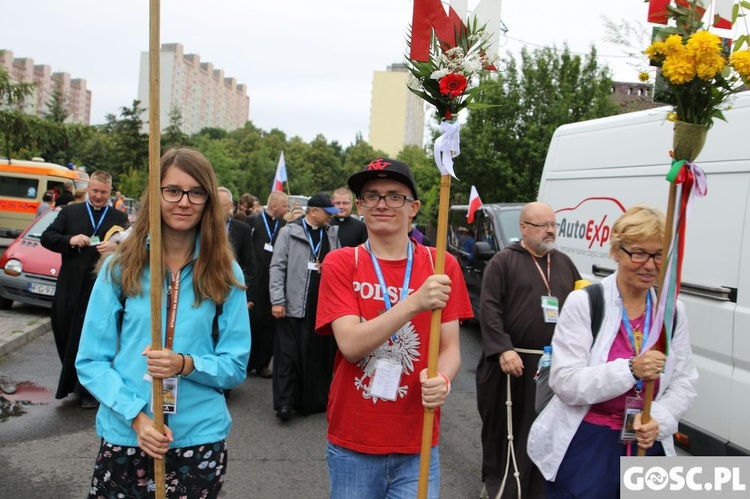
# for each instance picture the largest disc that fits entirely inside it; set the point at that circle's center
(495, 226)
(28, 271)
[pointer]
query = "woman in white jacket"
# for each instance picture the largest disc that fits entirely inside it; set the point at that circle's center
(577, 441)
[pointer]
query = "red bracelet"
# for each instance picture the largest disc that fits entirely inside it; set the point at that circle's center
(447, 382)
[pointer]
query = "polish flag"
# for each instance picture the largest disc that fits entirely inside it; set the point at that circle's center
(723, 18)
(280, 178)
(657, 11)
(474, 204)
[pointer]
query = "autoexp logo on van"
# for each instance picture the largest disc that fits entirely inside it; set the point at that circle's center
(585, 227)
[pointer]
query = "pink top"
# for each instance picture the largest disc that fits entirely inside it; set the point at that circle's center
(611, 412)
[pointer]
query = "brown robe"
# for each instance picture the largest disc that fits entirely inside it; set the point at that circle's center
(511, 317)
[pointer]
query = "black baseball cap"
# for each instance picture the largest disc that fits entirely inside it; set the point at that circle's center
(383, 168)
(322, 200)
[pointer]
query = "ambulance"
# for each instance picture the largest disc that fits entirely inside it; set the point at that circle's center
(597, 169)
(22, 185)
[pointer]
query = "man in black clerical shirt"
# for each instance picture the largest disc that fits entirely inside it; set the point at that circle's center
(352, 232)
(79, 234)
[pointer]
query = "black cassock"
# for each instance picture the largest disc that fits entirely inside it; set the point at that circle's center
(76, 279)
(263, 325)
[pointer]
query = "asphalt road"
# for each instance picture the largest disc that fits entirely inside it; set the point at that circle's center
(49, 450)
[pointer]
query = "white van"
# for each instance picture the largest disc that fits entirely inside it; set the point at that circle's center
(597, 169)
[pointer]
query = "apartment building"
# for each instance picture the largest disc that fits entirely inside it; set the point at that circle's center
(76, 96)
(203, 95)
(396, 114)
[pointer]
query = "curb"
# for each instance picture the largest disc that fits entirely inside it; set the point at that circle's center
(11, 340)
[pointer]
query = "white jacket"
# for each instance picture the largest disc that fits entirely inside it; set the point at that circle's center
(581, 376)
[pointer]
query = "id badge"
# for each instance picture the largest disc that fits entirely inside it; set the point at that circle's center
(550, 308)
(169, 396)
(633, 406)
(312, 266)
(268, 247)
(386, 380)
(94, 241)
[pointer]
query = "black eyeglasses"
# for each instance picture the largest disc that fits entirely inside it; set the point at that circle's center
(642, 256)
(371, 200)
(548, 225)
(175, 195)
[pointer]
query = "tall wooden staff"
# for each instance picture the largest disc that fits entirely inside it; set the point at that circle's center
(434, 344)
(649, 392)
(154, 217)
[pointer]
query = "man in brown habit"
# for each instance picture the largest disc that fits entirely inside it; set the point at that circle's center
(523, 289)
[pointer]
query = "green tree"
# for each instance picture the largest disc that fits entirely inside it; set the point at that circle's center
(173, 134)
(57, 107)
(130, 154)
(19, 131)
(357, 156)
(507, 144)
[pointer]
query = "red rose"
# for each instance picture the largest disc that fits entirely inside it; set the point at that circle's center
(453, 85)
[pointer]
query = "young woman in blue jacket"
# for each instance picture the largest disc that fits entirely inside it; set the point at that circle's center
(205, 351)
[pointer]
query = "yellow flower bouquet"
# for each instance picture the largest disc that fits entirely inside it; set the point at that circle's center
(698, 73)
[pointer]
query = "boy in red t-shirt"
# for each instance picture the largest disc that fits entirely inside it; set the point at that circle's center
(378, 302)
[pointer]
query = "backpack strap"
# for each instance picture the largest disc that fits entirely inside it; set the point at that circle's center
(596, 305)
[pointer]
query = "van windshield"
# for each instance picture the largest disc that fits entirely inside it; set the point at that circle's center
(510, 221)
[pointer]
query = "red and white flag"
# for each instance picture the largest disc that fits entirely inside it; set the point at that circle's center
(723, 17)
(722, 11)
(474, 204)
(280, 178)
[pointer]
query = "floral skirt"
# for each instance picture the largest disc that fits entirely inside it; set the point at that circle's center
(128, 472)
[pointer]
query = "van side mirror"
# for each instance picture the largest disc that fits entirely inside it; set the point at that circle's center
(483, 250)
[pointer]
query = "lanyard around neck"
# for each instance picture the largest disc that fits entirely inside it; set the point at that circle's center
(174, 294)
(91, 217)
(315, 249)
(268, 229)
(381, 278)
(547, 279)
(631, 334)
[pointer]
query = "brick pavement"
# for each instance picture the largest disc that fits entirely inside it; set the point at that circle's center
(20, 325)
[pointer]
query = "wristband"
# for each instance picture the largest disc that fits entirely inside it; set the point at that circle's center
(182, 368)
(447, 382)
(632, 371)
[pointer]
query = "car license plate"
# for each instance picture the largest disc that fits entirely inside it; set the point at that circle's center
(42, 289)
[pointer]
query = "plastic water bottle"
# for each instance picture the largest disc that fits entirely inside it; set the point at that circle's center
(546, 360)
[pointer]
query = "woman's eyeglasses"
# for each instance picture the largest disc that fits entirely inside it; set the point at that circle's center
(175, 195)
(642, 256)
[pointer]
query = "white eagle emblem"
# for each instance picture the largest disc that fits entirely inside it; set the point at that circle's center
(403, 348)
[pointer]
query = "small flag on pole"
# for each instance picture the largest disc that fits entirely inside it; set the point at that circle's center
(474, 204)
(657, 11)
(280, 178)
(723, 18)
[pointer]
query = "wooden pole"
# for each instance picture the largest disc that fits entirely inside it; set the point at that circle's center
(154, 192)
(434, 345)
(649, 393)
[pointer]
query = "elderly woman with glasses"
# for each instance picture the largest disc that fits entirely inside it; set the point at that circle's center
(598, 376)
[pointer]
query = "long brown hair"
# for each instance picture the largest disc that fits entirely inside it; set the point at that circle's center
(212, 270)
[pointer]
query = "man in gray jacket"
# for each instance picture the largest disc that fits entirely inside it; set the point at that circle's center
(303, 360)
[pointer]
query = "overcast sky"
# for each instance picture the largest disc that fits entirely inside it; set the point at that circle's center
(308, 65)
